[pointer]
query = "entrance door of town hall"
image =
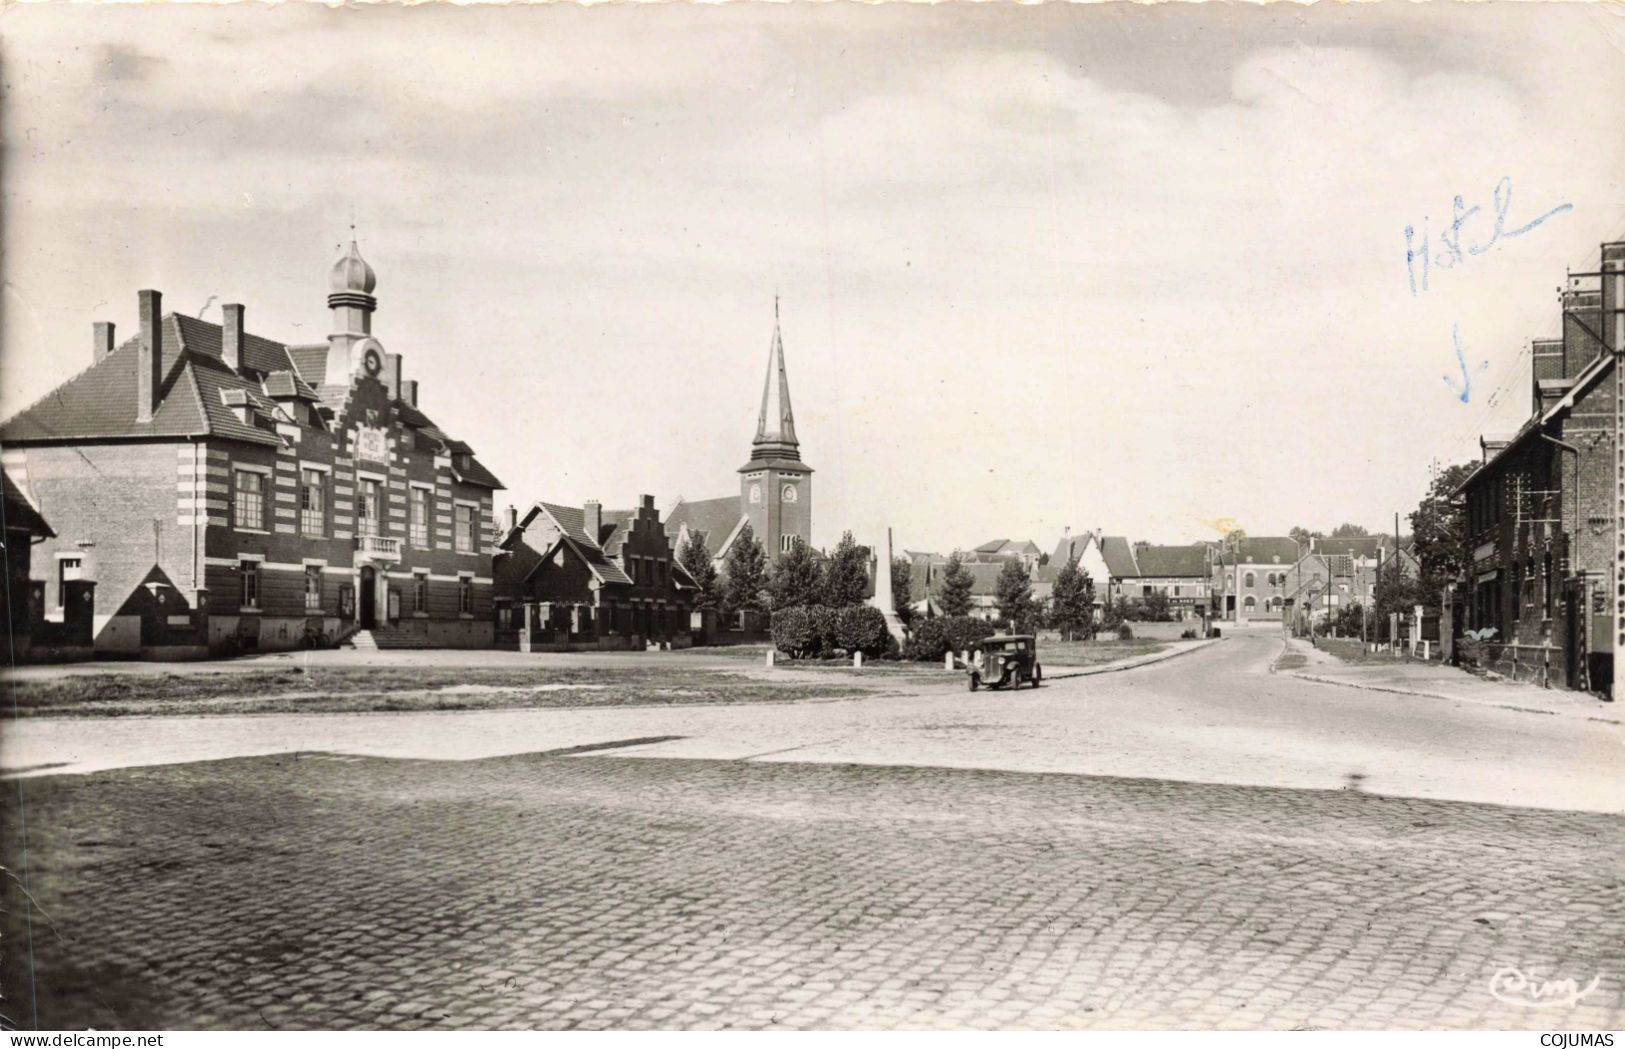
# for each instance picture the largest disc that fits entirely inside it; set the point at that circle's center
(369, 598)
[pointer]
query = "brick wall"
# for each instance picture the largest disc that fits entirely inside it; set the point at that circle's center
(113, 506)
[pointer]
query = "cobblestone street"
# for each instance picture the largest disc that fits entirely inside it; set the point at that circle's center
(546, 891)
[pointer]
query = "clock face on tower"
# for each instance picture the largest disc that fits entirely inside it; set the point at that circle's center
(789, 493)
(755, 493)
(372, 363)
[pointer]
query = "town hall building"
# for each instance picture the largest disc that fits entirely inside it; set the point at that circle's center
(775, 486)
(229, 492)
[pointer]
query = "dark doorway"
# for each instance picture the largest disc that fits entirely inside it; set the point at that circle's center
(369, 598)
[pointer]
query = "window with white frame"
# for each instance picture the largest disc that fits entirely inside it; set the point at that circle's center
(366, 509)
(248, 499)
(67, 568)
(313, 587)
(313, 502)
(418, 517)
(465, 595)
(250, 573)
(420, 592)
(463, 529)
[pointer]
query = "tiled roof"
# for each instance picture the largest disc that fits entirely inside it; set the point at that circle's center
(101, 401)
(713, 519)
(1071, 546)
(260, 355)
(572, 523)
(1265, 550)
(472, 471)
(279, 384)
(19, 513)
(612, 530)
(1166, 561)
(1119, 556)
(311, 362)
(201, 396)
(1356, 546)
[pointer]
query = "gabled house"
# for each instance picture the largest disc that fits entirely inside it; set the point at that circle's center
(1249, 577)
(1000, 550)
(1135, 571)
(226, 491)
(587, 577)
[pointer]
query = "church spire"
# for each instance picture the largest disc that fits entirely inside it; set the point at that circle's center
(776, 426)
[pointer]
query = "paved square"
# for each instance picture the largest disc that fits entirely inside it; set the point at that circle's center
(544, 891)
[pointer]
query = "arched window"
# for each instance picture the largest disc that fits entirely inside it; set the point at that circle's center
(1250, 580)
(1251, 603)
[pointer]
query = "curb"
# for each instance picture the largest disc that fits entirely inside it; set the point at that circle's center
(1392, 690)
(1112, 668)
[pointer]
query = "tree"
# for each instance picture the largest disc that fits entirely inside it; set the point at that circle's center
(746, 586)
(954, 599)
(1235, 537)
(696, 560)
(902, 591)
(798, 578)
(846, 578)
(1349, 531)
(1439, 531)
(1073, 602)
(1156, 607)
(1302, 535)
(1015, 596)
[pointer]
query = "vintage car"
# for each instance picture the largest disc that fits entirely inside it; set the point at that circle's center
(1005, 659)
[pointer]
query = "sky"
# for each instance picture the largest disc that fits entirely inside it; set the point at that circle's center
(1141, 269)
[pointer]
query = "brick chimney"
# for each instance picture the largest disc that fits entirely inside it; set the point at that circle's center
(511, 517)
(392, 375)
(149, 370)
(409, 391)
(231, 335)
(1613, 296)
(592, 518)
(103, 339)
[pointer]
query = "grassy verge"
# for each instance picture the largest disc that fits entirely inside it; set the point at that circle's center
(352, 689)
(1093, 653)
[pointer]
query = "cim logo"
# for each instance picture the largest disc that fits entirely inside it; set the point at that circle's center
(1510, 985)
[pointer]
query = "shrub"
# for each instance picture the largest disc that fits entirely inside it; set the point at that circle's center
(928, 641)
(860, 628)
(964, 631)
(1125, 632)
(1188, 635)
(824, 622)
(793, 631)
(933, 638)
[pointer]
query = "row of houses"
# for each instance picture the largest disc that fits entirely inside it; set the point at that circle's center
(1543, 508)
(1238, 581)
(201, 488)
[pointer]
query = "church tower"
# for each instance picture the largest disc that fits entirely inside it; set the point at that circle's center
(776, 486)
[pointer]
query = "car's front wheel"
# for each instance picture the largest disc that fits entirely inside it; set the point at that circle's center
(1038, 674)
(975, 682)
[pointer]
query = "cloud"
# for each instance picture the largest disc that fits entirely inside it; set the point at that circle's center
(1044, 253)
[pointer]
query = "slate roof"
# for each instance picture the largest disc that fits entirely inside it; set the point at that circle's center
(713, 519)
(19, 513)
(201, 396)
(1166, 561)
(1008, 547)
